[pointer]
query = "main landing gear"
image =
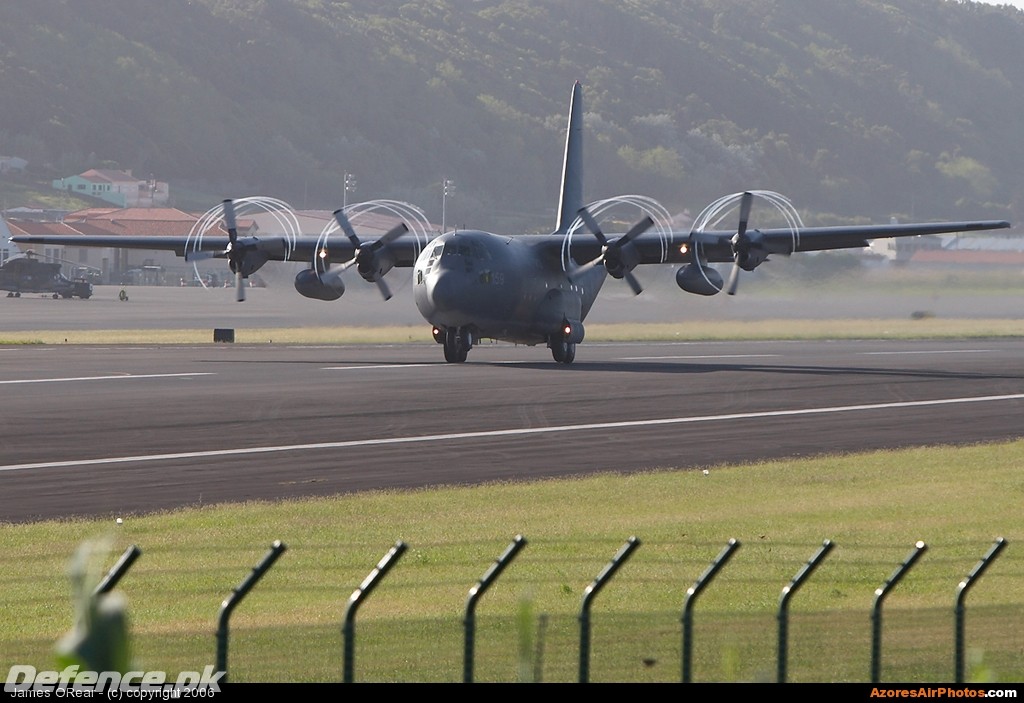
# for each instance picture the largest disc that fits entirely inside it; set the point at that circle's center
(457, 342)
(562, 351)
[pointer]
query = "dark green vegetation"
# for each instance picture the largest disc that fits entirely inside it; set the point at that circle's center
(861, 109)
(873, 508)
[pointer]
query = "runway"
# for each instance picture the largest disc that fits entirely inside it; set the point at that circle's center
(95, 430)
(279, 306)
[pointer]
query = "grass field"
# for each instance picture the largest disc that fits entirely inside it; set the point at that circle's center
(929, 328)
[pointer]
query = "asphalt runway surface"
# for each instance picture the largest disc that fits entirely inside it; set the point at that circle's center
(122, 430)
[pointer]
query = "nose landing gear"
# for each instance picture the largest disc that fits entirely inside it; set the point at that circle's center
(457, 342)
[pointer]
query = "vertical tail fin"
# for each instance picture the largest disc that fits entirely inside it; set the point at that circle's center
(570, 199)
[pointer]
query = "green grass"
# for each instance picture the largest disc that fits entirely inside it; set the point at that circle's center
(873, 508)
(700, 330)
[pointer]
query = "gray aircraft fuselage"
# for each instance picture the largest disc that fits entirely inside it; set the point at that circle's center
(500, 287)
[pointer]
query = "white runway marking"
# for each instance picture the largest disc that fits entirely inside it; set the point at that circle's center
(506, 433)
(699, 356)
(931, 351)
(103, 378)
(375, 366)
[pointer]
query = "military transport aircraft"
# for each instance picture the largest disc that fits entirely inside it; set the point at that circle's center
(525, 289)
(27, 274)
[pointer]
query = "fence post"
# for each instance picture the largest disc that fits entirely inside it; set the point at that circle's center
(538, 650)
(961, 594)
(876, 611)
(475, 593)
(691, 595)
(787, 593)
(357, 597)
(227, 606)
(117, 570)
(588, 596)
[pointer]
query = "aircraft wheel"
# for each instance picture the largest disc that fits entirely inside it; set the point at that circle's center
(456, 346)
(563, 352)
(570, 354)
(17, 295)
(55, 296)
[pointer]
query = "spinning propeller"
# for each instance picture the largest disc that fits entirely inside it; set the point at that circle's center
(741, 243)
(232, 252)
(619, 256)
(371, 260)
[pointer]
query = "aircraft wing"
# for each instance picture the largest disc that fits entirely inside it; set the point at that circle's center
(326, 256)
(176, 244)
(718, 246)
(745, 248)
(715, 246)
(301, 248)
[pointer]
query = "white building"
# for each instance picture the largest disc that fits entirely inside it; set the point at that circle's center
(117, 187)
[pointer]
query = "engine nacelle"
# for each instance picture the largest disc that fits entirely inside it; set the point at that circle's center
(750, 253)
(750, 260)
(702, 280)
(619, 261)
(324, 286)
(374, 264)
(251, 261)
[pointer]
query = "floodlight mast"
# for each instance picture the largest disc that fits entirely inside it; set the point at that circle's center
(448, 188)
(350, 187)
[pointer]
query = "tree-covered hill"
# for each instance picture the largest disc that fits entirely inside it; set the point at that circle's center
(855, 109)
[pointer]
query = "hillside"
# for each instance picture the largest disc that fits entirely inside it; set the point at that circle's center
(856, 110)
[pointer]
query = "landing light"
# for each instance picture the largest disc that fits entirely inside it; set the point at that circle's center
(567, 330)
(684, 248)
(322, 254)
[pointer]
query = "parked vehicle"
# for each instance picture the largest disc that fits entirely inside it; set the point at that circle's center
(27, 274)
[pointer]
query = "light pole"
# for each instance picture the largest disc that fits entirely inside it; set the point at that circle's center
(350, 186)
(449, 188)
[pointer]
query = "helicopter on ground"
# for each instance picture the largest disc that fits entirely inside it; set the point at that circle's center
(27, 274)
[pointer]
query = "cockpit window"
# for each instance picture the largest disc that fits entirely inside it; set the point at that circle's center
(470, 249)
(437, 251)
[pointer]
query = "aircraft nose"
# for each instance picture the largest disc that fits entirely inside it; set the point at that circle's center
(443, 290)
